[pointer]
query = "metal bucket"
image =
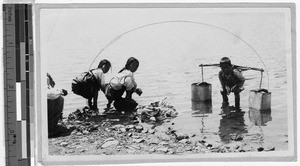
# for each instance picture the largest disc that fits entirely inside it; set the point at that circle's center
(201, 92)
(260, 99)
(202, 107)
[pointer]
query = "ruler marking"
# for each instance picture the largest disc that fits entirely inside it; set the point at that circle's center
(18, 77)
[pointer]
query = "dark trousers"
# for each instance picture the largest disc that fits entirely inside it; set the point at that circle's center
(55, 108)
(120, 103)
(236, 98)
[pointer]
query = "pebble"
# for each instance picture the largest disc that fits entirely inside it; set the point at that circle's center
(123, 130)
(64, 144)
(110, 143)
(109, 139)
(130, 127)
(260, 149)
(85, 132)
(78, 133)
(139, 128)
(151, 131)
(138, 140)
(181, 136)
(153, 119)
(183, 141)
(165, 150)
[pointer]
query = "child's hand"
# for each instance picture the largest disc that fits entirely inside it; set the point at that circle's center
(64, 92)
(138, 91)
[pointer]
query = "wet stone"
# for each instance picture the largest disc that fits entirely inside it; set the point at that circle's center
(138, 140)
(164, 150)
(123, 130)
(79, 133)
(109, 139)
(110, 143)
(64, 144)
(180, 136)
(139, 128)
(151, 131)
(130, 127)
(260, 149)
(202, 142)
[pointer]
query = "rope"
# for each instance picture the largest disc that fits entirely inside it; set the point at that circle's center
(181, 21)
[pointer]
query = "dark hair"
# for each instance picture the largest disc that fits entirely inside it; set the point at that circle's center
(129, 61)
(225, 60)
(103, 62)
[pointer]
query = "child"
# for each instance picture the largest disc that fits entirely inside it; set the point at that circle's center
(98, 73)
(231, 81)
(89, 83)
(55, 106)
(124, 81)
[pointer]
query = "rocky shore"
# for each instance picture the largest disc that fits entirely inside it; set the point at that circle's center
(147, 130)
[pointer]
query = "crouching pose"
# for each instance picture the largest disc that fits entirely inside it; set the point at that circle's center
(88, 84)
(231, 81)
(123, 82)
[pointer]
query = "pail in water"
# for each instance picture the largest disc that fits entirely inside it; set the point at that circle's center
(202, 107)
(260, 99)
(201, 92)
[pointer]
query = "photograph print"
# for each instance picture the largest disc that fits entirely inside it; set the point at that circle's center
(162, 81)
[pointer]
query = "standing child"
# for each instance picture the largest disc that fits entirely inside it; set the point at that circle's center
(231, 81)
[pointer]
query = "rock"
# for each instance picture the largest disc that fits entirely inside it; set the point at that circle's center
(64, 144)
(136, 137)
(109, 139)
(181, 136)
(70, 151)
(145, 131)
(119, 126)
(163, 143)
(164, 150)
(79, 133)
(123, 130)
(151, 131)
(208, 145)
(139, 128)
(270, 149)
(171, 151)
(110, 143)
(134, 147)
(202, 142)
(130, 127)
(85, 132)
(136, 122)
(152, 150)
(82, 150)
(129, 134)
(260, 149)
(138, 140)
(153, 119)
(183, 141)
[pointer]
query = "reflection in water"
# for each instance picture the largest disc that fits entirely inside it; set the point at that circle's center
(231, 124)
(260, 117)
(200, 109)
